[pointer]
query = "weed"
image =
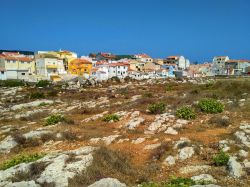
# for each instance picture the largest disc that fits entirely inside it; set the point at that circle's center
(37, 95)
(20, 159)
(147, 94)
(157, 108)
(185, 112)
(159, 151)
(54, 119)
(11, 83)
(221, 159)
(220, 121)
(111, 117)
(105, 163)
(43, 83)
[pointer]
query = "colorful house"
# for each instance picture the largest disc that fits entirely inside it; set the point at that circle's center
(50, 68)
(143, 58)
(16, 66)
(80, 67)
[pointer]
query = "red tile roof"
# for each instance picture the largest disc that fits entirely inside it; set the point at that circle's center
(231, 61)
(118, 64)
(143, 55)
(173, 57)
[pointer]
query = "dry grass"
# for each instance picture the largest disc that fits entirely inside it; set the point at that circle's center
(107, 163)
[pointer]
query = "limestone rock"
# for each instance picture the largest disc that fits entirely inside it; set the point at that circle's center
(108, 182)
(169, 161)
(235, 167)
(186, 153)
(204, 178)
(171, 131)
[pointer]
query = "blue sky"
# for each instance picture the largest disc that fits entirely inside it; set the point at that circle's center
(197, 29)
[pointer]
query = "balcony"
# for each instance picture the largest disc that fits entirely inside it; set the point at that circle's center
(51, 66)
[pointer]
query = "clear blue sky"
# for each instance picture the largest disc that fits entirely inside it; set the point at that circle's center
(197, 29)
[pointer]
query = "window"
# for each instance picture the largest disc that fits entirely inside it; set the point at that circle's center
(22, 73)
(2, 72)
(118, 72)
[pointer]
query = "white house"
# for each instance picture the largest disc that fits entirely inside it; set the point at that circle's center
(219, 65)
(180, 61)
(143, 58)
(3, 75)
(119, 70)
(47, 67)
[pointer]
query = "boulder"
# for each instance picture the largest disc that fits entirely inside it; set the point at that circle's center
(171, 131)
(23, 184)
(7, 144)
(108, 182)
(169, 161)
(186, 153)
(138, 140)
(235, 167)
(204, 178)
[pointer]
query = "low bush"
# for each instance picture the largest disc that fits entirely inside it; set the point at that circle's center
(185, 112)
(54, 119)
(157, 108)
(175, 182)
(67, 135)
(20, 159)
(11, 83)
(148, 94)
(158, 153)
(52, 93)
(220, 121)
(221, 159)
(35, 171)
(43, 83)
(106, 162)
(169, 88)
(180, 182)
(37, 95)
(111, 117)
(210, 106)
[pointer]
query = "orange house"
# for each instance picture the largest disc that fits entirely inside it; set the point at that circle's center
(80, 67)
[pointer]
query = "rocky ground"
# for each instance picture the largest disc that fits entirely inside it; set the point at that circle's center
(138, 148)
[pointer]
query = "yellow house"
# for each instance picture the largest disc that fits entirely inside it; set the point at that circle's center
(17, 66)
(66, 56)
(80, 67)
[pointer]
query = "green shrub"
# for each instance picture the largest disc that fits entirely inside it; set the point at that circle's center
(180, 182)
(37, 95)
(157, 108)
(43, 83)
(11, 83)
(52, 93)
(185, 112)
(111, 117)
(148, 94)
(210, 106)
(20, 159)
(43, 104)
(54, 119)
(150, 184)
(221, 159)
(169, 88)
(175, 182)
